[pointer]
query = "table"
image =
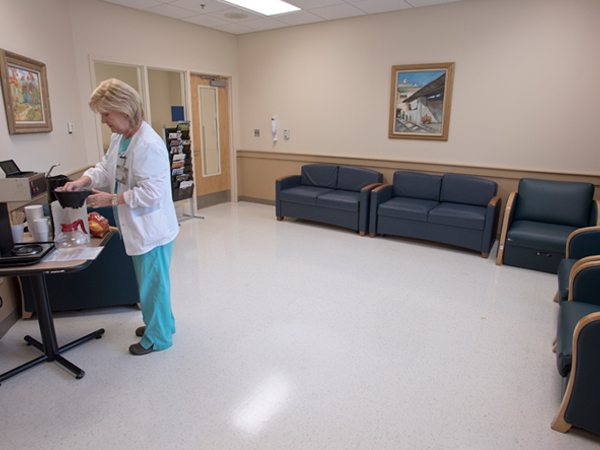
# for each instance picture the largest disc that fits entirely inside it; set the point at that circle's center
(49, 346)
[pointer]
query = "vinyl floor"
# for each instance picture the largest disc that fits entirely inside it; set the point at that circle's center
(296, 335)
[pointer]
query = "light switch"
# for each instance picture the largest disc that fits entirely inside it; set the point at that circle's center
(256, 133)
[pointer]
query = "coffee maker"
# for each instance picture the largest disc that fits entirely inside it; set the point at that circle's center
(20, 189)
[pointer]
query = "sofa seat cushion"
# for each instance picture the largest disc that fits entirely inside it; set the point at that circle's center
(539, 235)
(407, 208)
(306, 195)
(339, 199)
(459, 215)
(570, 313)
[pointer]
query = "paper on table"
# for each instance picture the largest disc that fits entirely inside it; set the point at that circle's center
(73, 254)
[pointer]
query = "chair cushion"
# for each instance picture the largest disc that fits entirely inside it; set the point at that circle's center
(356, 178)
(570, 313)
(539, 235)
(407, 208)
(560, 202)
(303, 194)
(338, 199)
(468, 190)
(564, 273)
(321, 175)
(458, 215)
(417, 185)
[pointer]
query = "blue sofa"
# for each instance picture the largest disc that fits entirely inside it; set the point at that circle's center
(452, 209)
(108, 281)
(328, 193)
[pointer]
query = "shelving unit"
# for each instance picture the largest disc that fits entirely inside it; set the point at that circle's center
(179, 146)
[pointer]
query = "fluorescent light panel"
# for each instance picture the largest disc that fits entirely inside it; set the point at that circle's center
(266, 7)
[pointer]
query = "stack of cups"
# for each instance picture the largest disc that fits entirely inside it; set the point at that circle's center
(37, 223)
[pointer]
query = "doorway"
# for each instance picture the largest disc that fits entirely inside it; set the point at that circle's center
(210, 139)
(132, 75)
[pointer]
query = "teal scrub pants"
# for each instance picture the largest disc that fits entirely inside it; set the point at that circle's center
(152, 272)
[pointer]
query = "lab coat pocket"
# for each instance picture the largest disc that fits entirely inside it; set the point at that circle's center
(151, 227)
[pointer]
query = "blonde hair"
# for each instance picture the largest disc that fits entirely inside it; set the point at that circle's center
(114, 95)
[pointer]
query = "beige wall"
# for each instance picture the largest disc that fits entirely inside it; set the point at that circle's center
(110, 32)
(525, 88)
(42, 30)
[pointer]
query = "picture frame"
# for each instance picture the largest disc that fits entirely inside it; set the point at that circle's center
(25, 91)
(421, 97)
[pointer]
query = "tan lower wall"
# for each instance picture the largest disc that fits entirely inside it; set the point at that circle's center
(258, 170)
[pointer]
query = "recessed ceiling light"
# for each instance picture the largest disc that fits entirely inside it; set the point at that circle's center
(266, 7)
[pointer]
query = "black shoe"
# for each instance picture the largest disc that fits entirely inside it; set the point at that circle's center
(140, 331)
(138, 350)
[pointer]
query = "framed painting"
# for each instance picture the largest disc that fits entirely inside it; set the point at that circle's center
(25, 90)
(420, 101)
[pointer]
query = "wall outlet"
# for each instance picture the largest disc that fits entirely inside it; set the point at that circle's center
(256, 133)
(286, 134)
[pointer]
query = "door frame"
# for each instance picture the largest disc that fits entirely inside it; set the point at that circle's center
(232, 160)
(143, 79)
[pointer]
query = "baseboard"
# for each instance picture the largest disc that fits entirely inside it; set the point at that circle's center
(262, 201)
(215, 198)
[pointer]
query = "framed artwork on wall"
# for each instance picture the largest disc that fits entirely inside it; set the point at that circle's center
(25, 90)
(420, 101)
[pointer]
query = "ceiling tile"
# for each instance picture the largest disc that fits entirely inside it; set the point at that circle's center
(138, 4)
(172, 11)
(211, 13)
(299, 18)
(309, 4)
(223, 15)
(417, 3)
(206, 21)
(234, 29)
(264, 24)
(380, 6)
(335, 12)
(195, 5)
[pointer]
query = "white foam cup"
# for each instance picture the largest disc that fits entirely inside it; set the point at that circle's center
(40, 230)
(17, 233)
(34, 212)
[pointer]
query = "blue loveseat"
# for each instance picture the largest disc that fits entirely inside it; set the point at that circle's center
(328, 193)
(452, 209)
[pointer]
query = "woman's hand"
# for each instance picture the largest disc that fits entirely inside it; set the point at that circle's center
(99, 199)
(76, 185)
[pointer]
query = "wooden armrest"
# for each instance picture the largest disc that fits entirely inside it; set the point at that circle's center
(494, 201)
(575, 233)
(559, 423)
(371, 186)
(288, 176)
(583, 263)
(509, 205)
(377, 189)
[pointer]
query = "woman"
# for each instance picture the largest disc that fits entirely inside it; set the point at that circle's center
(136, 169)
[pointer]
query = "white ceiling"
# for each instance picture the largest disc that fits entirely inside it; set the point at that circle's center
(231, 19)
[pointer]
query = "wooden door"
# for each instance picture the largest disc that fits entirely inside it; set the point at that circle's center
(213, 179)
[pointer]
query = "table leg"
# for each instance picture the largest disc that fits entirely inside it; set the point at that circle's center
(49, 344)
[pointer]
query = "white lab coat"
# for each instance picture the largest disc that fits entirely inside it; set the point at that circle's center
(147, 219)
